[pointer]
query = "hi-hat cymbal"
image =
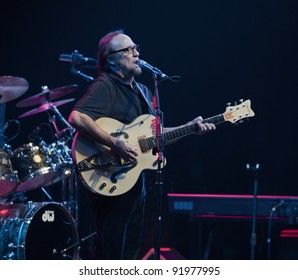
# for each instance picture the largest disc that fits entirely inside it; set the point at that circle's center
(46, 96)
(45, 107)
(11, 88)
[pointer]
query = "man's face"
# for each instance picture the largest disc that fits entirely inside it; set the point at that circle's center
(125, 55)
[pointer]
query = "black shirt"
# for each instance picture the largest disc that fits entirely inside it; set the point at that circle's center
(107, 96)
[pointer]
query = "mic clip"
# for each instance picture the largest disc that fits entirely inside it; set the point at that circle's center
(76, 58)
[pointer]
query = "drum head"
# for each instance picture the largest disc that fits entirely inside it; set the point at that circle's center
(33, 165)
(50, 233)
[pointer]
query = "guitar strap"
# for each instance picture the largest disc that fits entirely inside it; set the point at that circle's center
(150, 105)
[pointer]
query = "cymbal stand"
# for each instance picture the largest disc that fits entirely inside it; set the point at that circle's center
(64, 133)
(2, 124)
(69, 188)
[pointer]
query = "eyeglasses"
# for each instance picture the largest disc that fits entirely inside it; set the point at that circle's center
(128, 50)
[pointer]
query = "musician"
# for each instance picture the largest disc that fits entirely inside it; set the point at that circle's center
(116, 94)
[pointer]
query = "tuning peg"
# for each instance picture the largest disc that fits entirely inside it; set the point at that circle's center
(228, 104)
(241, 100)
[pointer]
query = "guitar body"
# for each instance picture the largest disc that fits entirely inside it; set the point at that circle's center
(105, 173)
(112, 176)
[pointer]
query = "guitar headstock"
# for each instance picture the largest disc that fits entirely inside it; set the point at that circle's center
(238, 112)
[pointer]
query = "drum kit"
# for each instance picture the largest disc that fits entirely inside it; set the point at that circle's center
(37, 230)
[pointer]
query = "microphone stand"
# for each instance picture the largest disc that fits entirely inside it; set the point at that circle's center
(255, 170)
(79, 73)
(75, 59)
(159, 172)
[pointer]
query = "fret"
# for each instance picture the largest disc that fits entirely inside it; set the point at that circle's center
(215, 119)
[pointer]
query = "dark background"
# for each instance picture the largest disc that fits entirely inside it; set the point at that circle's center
(223, 51)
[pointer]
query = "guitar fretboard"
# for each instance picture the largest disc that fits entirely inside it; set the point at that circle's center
(151, 142)
(215, 119)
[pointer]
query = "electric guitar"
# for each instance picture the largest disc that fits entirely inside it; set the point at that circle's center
(104, 173)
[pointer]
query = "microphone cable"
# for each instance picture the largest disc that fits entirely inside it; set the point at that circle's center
(18, 129)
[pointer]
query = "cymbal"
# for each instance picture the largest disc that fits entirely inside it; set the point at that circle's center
(46, 96)
(45, 107)
(11, 88)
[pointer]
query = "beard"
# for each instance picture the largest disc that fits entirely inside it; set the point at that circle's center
(137, 71)
(133, 72)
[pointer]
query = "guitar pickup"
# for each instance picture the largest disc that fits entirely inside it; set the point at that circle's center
(84, 165)
(144, 145)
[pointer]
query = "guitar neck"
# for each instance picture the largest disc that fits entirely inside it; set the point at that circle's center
(183, 131)
(218, 119)
(188, 129)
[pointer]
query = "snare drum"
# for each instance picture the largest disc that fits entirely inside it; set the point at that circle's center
(8, 177)
(37, 231)
(34, 166)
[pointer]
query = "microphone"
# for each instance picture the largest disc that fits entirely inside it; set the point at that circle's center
(141, 63)
(75, 58)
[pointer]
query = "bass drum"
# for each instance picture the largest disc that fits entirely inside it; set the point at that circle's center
(37, 231)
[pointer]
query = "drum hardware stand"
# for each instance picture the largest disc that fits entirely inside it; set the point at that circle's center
(70, 201)
(16, 197)
(62, 252)
(47, 194)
